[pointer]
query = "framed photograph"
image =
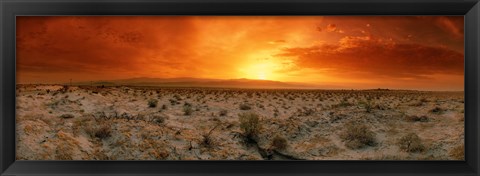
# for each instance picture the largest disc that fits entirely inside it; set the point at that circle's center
(239, 87)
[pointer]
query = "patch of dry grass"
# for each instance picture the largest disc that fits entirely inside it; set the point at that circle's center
(458, 152)
(357, 135)
(411, 143)
(250, 124)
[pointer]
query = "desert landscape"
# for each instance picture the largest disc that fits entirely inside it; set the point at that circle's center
(240, 87)
(60, 122)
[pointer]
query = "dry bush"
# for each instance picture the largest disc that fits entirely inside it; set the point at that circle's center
(245, 106)
(279, 143)
(458, 152)
(357, 135)
(187, 110)
(159, 119)
(207, 140)
(367, 105)
(152, 103)
(437, 110)
(103, 132)
(250, 124)
(411, 143)
(223, 112)
(343, 103)
(67, 116)
(414, 118)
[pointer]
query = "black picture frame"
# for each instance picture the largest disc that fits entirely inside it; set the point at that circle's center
(9, 9)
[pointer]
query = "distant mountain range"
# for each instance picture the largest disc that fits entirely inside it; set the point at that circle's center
(200, 82)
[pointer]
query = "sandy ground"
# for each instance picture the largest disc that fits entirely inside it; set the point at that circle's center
(118, 123)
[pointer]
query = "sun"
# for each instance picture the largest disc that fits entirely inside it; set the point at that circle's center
(260, 65)
(262, 76)
(260, 71)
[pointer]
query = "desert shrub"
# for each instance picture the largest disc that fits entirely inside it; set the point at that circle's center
(357, 135)
(458, 152)
(103, 132)
(64, 89)
(223, 112)
(250, 124)
(159, 119)
(411, 143)
(244, 106)
(207, 139)
(67, 116)
(437, 110)
(414, 118)
(368, 105)
(152, 103)
(279, 143)
(164, 107)
(187, 110)
(173, 102)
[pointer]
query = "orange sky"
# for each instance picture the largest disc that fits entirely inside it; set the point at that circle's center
(424, 53)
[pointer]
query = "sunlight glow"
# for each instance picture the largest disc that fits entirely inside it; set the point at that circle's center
(261, 66)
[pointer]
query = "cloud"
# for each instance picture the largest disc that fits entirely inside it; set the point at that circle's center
(86, 48)
(277, 42)
(92, 45)
(454, 26)
(331, 27)
(378, 57)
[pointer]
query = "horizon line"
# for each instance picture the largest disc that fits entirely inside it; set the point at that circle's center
(250, 87)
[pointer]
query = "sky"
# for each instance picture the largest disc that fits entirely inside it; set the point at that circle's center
(352, 52)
